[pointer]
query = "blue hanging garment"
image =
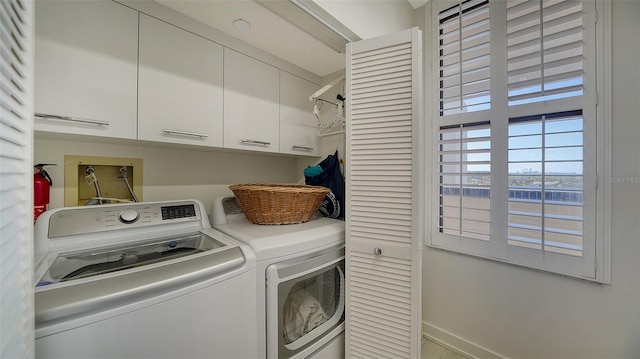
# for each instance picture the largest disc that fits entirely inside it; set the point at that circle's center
(327, 174)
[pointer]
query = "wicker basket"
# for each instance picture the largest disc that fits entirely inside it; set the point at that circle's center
(278, 203)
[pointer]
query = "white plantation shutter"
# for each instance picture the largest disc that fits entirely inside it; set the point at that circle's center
(515, 162)
(544, 50)
(16, 176)
(546, 180)
(461, 35)
(465, 180)
(384, 206)
(464, 57)
(551, 151)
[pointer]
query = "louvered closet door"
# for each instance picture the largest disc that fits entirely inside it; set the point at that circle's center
(16, 178)
(383, 207)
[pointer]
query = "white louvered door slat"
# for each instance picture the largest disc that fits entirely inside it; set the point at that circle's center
(384, 235)
(16, 201)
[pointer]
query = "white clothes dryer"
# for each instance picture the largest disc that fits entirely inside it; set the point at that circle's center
(300, 282)
(141, 280)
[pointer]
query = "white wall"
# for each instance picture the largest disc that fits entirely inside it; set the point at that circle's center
(171, 172)
(369, 19)
(521, 313)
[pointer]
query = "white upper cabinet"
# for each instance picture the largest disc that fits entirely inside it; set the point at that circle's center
(251, 104)
(85, 68)
(298, 125)
(180, 86)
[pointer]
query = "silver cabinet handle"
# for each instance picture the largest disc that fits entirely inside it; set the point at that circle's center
(169, 131)
(377, 251)
(302, 148)
(246, 141)
(45, 116)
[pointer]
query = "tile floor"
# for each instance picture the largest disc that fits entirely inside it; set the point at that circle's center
(431, 350)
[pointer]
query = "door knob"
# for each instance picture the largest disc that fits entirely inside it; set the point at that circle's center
(377, 251)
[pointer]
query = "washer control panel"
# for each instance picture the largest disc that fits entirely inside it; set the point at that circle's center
(92, 219)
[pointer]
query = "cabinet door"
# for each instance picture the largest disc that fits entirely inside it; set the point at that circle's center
(180, 90)
(86, 68)
(251, 104)
(298, 125)
(384, 206)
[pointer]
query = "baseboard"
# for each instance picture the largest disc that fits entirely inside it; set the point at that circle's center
(457, 344)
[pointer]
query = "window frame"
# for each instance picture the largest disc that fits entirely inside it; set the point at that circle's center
(595, 263)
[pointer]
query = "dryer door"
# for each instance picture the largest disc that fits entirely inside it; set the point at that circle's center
(305, 304)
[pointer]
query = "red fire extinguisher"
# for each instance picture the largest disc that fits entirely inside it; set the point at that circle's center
(41, 185)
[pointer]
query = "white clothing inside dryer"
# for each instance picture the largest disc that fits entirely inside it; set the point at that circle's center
(302, 313)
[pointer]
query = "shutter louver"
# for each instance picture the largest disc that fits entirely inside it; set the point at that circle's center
(464, 58)
(16, 206)
(383, 292)
(544, 50)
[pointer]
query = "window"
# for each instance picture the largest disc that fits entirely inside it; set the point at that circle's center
(515, 141)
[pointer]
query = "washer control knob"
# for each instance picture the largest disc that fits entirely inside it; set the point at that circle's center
(129, 216)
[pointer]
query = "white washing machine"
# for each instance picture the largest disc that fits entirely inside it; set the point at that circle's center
(142, 280)
(300, 282)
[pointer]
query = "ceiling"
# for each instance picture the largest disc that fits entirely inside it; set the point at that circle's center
(268, 31)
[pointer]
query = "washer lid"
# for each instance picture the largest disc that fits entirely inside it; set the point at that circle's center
(96, 261)
(99, 293)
